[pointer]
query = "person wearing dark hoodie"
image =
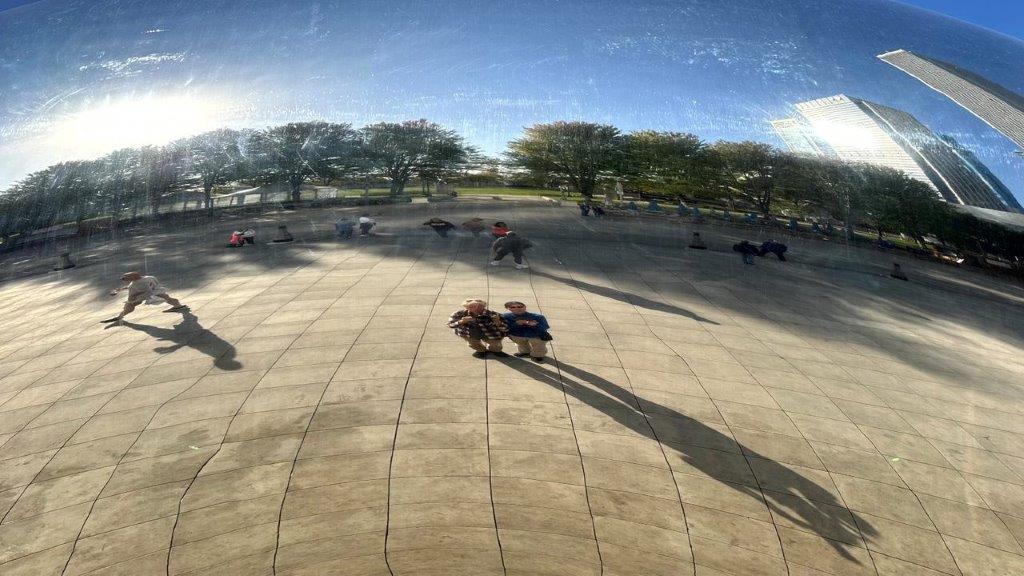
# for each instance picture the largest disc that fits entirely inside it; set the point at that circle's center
(510, 243)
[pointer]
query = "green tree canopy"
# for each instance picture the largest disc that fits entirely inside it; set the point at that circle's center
(576, 153)
(213, 158)
(660, 161)
(296, 152)
(399, 151)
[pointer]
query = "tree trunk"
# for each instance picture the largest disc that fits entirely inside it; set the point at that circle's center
(848, 221)
(398, 185)
(208, 197)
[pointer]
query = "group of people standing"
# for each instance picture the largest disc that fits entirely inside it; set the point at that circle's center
(484, 329)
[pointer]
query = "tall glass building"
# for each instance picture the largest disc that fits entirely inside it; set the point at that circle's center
(862, 131)
(799, 137)
(996, 105)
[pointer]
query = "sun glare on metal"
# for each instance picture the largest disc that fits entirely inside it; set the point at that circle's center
(131, 121)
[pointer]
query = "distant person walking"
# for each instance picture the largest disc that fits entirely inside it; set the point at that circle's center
(441, 227)
(474, 225)
(510, 243)
(141, 288)
(481, 328)
(499, 229)
(528, 330)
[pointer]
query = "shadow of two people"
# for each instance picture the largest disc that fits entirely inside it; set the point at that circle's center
(791, 497)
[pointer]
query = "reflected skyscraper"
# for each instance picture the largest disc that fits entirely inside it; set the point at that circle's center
(985, 174)
(996, 105)
(862, 131)
(800, 138)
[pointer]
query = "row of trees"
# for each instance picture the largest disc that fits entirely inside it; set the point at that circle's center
(140, 180)
(752, 175)
(590, 158)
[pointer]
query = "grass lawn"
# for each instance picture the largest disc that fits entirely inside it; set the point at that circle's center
(501, 191)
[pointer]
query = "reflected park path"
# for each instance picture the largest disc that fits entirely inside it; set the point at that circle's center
(311, 414)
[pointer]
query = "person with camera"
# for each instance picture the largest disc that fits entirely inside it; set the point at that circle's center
(481, 328)
(528, 330)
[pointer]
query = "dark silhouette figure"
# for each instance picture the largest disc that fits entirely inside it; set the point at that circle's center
(191, 334)
(808, 505)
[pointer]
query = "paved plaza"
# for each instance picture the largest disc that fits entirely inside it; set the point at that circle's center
(311, 413)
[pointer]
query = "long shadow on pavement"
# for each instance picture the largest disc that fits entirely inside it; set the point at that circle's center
(788, 494)
(190, 333)
(620, 296)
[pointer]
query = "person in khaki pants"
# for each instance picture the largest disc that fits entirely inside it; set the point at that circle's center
(481, 328)
(527, 330)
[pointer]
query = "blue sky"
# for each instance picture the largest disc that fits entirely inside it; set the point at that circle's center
(79, 78)
(1006, 16)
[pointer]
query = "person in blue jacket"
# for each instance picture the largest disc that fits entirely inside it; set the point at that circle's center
(528, 330)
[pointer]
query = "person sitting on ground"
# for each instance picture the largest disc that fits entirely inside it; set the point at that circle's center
(345, 226)
(653, 206)
(474, 225)
(584, 208)
(598, 211)
(499, 229)
(249, 236)
(481, 328)
(528, 330)
(141, 288)
(773, 247)
(510, 243)
(441, 227)
(747, 250)
(682, 209)
(365, 224)
(236, 240)
(633, 208)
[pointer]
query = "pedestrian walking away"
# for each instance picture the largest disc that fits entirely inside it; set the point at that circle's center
(441, 227)
(365, 224)
(474, 225)
(499, 229)
(481, 328)
(141, 288)
(510, 243)
(528, 330)
(747, 250)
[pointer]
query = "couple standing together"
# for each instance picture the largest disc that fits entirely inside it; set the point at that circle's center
(484, 329)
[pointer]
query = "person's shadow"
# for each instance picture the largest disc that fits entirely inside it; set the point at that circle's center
(190, 333)
(625, 297)
(789, 495)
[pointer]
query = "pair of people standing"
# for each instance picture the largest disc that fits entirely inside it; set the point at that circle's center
(484, 329)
